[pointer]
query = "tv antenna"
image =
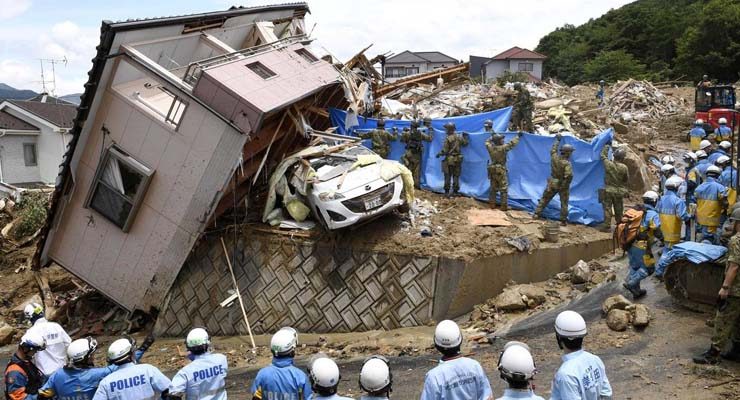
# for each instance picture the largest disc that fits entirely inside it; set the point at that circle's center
(53, 82)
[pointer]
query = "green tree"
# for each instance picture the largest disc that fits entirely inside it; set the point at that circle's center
(612, 66)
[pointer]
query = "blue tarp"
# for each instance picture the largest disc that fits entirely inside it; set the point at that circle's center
(694, 252)
(529, 163)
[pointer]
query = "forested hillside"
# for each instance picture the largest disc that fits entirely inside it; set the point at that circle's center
(653, 39)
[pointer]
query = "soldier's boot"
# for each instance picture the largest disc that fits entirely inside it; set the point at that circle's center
(710, 356)
(733, 354)
(504, 201)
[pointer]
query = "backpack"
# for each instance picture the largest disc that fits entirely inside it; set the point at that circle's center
(627, 230)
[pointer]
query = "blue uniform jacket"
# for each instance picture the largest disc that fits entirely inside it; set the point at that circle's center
(582, 376)
(728, 177)
(457, 379)
(701, 168)
(281, 380)
(723, 132)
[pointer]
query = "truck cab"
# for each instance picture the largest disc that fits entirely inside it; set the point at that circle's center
(715, 102)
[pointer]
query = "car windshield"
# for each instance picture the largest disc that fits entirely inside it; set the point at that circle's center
(333, 165)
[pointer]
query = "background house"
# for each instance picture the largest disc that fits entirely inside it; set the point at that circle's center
(515, 59)
(411, 63)
(34, 135)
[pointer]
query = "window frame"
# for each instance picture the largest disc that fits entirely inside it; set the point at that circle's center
(141, 168)
(35, 155)
(525, 64)
(169, 117)
(395, 72)
(307, 55)
(261, 66)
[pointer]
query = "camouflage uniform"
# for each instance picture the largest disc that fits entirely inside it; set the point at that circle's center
(561, 174)
(452, 164)
(381, 141)
(497, 171)
(616, 178)
(727, 320)
(412, 157)
(523, 108)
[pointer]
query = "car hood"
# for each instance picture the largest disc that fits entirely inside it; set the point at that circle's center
(358, 177)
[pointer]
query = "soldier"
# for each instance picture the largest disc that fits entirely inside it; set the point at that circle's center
(380, 138)
(727, 319)
(412, 157)
(488, 126)
(451, 166)
(522, 118)
(616, 177)
(561, 174)
(497, 171)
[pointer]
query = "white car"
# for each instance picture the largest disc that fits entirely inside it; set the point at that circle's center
(340, 198)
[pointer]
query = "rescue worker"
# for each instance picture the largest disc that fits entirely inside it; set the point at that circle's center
(561, 174)
(582, 375)
(728, 178)
(376, 379)
(80, 379)
(523, 108)
(428, 129)
(324, 375)
(600, 94)
(204, 378)
(456, 376)
(517, 368)
(691, 177)
(57, 340)
(705, 82)
(711, 203)
(130, 380)
(616, 178)
(697, 134)
(723, 132)
(668, 159)
(727, 318)
(723, 149)
(452, 164)
(380, 139)
(488, 126)
(22, 378)
(640, 253)
(666, 172)
(497, 170)
(282, 379)
(672, 212)
(701, 165)
(414, 148)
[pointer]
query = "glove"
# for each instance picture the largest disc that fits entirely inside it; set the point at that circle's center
(148, 341)
(520, 134)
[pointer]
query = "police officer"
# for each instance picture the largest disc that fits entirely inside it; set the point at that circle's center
(728, 178)
(616, 178)
(640, 253)
(582, 375)
(57, 340)
(517, 368)
(204, 378)
(325, 377)
(452, 164)
(727, 318)
(691, 177)
(697, 134)
(80, 379)
(561, 175)
(497, 170)
(282, 379)
(711, 203)
(667, 171)
(723, 149)
(702, 164)
(723, 132)
(456, 377)
(672, 212)
(376, 379)
(130, 380)
(22, 378)
(412, 157)
(523, 108)
(380, 139)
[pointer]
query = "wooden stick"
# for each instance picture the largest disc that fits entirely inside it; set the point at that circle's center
(264, 158)
(238, 295)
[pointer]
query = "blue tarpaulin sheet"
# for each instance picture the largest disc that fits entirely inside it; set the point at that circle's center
(529, 163)
(694, 252)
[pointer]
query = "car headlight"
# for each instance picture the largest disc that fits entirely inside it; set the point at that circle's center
(330, 196)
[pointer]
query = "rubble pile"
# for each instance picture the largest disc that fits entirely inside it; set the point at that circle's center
(639, 101)
(620, 313)
(449, 100)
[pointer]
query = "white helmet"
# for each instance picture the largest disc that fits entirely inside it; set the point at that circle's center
(33, 311)
(447, 335)
(650, 196)
(324, 373)
(570, 324)
(725, 145)
(119, 350)
(668, 159)
(722, 160)
(673, 182)
(197, 339)
(516, 362)
(32, 340)
(699, 122)
(714, 170)
(283, 342)
(81, 349)
(690, 156)
(375, 375)
(667, 168)
(704, 144)
(700, 154)
(723, 121)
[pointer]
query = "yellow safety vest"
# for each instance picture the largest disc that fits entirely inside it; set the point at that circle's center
(670, 225)
(708, 212)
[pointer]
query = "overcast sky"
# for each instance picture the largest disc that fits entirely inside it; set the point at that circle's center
(53, 29)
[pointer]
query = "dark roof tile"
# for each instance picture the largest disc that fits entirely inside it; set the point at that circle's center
(8, 121)
(60, 114)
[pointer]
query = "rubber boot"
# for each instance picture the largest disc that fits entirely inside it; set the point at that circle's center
(563, 223)
(710, 356)
(733, 354)
(504, 201)
(634, 290)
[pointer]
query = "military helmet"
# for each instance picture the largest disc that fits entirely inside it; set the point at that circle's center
(450, 126)
(414, 123)
(488, 123)
(735, 216)
(620, 153)
(497, 138)
(427, 120)
(566, 149)
(381, 123)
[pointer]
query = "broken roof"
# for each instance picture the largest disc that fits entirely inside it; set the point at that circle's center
(420, 56)
(518, 53)
(11, 122)
(60, 114)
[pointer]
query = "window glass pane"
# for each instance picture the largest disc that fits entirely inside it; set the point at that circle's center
(260, 69)
(122, 178)
(307, 55)
(111, 204)
(29, 154)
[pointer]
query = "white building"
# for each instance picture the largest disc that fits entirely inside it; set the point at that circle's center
(409, 63)
(515, 59)
(33, 138)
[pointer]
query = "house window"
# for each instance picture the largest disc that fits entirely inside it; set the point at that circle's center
(119, 187)
(412, 71)
(260, 69)
(395, 72)
(526, 67)
(29, 154)
(307, 55)
(176, 110)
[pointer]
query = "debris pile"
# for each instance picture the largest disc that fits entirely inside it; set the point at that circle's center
(639, 101)
(620, 313)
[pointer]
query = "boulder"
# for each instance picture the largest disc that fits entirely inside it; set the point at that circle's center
(638, 172)
(580, 273)
(617, 302)
(534, 293)
(618, 320)
(598, 277)
(641, 316)
(510, 300)
(7, 333)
